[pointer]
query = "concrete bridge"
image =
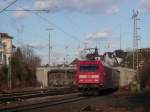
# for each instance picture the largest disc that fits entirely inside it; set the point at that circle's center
(55, 76)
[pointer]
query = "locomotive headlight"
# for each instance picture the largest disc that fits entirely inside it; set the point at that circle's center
(94, 76)
(96, 80)
(82, 76)
(88, 76)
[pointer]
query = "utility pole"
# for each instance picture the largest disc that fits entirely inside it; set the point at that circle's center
(9, 74)
(136, 38)
(9, 53)
(66, 50)
(20, 35)
(49, 57)
(120, 37)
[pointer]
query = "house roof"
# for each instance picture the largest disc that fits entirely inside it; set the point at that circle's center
(5, 35)
(13, 46)
(75, 61)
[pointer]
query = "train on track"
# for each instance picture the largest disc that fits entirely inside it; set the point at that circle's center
(93, 76)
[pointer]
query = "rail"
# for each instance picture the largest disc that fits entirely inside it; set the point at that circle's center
(21, 96)
(32, 105)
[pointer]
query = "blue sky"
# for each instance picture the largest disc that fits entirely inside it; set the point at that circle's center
(76, 24)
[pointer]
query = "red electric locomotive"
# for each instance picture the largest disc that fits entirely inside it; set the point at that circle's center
(92, 76)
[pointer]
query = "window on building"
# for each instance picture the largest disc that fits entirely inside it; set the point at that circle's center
(4, 44)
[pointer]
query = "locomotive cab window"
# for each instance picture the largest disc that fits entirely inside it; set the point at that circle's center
(90, 68)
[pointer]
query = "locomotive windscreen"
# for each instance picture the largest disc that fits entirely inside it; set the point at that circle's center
(89, 68)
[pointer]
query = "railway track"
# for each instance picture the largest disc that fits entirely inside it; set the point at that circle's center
(21, 96)
(38, 103)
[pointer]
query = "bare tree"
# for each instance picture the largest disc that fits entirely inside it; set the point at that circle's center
(24, 63)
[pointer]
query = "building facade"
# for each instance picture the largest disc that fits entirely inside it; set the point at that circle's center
(6, 48)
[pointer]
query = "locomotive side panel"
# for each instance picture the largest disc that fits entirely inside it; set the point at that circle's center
(111, 80)
(108, 79)
(116, 78)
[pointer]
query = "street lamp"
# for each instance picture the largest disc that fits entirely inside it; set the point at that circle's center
(49, 29)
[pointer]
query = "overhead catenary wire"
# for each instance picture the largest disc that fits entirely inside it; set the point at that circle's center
(59, 28)
(48, 21)
(29, 10)
(30, 32)
(44, 10)
(44, 19)
(14, 21)
(10, 4)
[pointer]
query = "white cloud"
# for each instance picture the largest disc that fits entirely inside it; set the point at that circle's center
(21, 14)
(85, 6)
(94, 37)
(113, 10)
(37, 45)
(145, 5)
(99, 35)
